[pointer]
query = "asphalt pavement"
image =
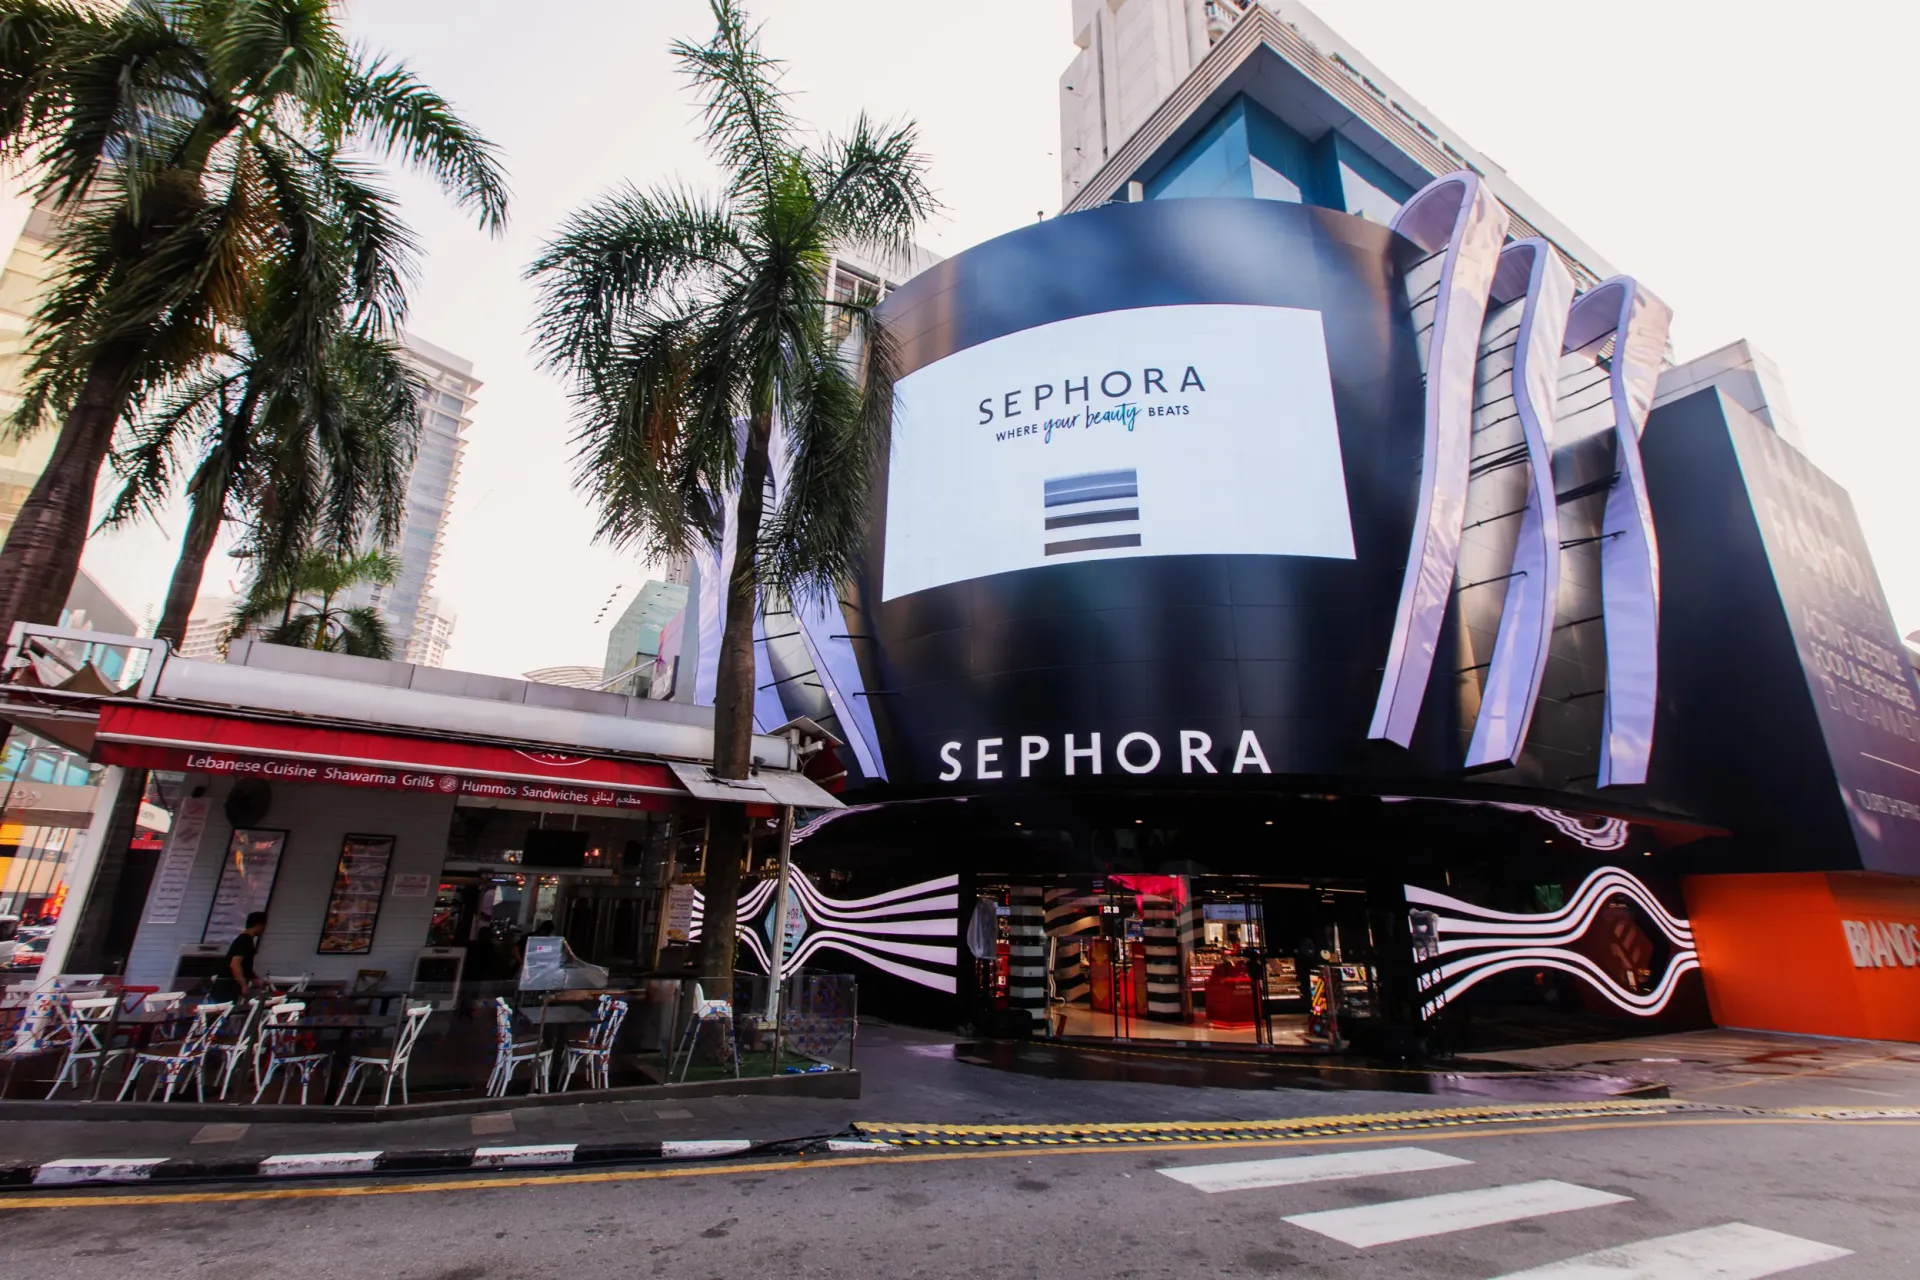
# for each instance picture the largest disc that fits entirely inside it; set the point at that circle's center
(1777, 1156)
(1652, 1198)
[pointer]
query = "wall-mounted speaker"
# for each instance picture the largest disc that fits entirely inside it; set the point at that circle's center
(248, 802)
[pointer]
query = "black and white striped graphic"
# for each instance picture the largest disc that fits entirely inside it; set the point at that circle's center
(1476, 943)
(1027, 951)
(1098, 511)
(1073, 920)
(1160, 944)
(909, 932)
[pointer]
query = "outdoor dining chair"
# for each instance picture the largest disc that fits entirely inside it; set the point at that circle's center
(90, 1029)
(595, 1050)
(289, 983)
(280, 1038)
(28, 1030)
(392, 1063)
(239, 1045)
(175, 1059)
(509, 1053)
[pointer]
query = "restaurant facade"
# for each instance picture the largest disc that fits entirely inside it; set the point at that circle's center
(403, 827)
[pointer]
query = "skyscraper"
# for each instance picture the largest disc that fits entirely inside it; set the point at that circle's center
(446, 409)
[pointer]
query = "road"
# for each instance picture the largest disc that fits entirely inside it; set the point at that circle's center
(1674, 1195)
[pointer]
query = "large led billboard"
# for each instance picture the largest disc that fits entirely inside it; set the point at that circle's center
(1146, 431)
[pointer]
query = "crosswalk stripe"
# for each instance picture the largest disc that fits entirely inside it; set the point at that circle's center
(1735, 1251)
(1370, 1224)
(1244, 1175)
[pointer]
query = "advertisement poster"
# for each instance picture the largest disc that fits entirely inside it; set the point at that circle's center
(176, 864)
(1857, 668)
(246, 882)
(679, 912)
(1153, 431)
(354, 907)
(412, 886)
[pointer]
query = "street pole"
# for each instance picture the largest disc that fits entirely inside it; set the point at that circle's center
(777, 957)
(81, 874)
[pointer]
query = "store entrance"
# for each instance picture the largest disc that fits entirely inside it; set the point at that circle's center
(1209, 959)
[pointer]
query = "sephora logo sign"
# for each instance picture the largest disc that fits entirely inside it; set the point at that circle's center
(1028, 756)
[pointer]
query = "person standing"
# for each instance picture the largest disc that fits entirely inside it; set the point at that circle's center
(238, 978)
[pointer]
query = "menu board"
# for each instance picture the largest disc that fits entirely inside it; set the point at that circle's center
(246, 882)
(358, 883)
(169, 889)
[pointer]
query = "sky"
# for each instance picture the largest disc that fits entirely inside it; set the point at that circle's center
(1740, 159)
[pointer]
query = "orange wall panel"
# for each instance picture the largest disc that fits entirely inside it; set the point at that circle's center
(1775, 953)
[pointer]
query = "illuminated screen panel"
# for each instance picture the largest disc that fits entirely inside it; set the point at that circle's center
(1156, 431)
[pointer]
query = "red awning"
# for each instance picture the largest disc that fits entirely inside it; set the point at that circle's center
(152, 738)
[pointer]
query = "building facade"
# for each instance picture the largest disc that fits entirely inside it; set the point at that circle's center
(1311, 604)
(407, 606)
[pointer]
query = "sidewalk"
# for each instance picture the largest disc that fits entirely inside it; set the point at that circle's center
(908, 1076)
(914, 1077)
(1760, 1069)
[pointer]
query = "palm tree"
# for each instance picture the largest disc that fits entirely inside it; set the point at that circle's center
(689, 324)
(301, 454)
(299, 603)
(185, 143)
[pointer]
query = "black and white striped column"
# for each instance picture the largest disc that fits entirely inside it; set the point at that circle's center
(1027, 952)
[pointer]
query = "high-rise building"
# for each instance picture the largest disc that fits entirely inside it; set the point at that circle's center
(446, 410)
(432, 634)
(29, 261)
(634, 642)
(1288, 110)
(206, 635)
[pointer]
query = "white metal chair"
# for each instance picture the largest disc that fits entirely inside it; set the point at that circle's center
(176, 1059)
(29, 1029)
(280, 1038)
(241, 1044)
(706, 1011)
(595, 1051)
(289, 983)
(90, 1027)
(509, 1053)
(392, 1063)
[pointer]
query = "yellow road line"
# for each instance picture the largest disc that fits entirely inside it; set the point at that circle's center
(1601, 1105)
(46, 1201)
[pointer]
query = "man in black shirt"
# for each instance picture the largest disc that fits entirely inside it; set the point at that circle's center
(239, 977)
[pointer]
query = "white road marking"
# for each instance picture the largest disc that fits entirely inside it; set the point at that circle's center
(63, 1173)
(522, 1157)
(1733, 1252)
(1244, 1175)
(704, 1150)
(315, 1163)
(1370, 1224)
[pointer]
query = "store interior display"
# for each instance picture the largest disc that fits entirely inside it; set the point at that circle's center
(1188, 958)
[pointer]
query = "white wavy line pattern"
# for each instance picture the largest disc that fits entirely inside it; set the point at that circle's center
(866, 929)
(1501, 941)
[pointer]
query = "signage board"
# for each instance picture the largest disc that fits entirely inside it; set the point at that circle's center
(1147, 431)
(1856, 666)
(169, 889)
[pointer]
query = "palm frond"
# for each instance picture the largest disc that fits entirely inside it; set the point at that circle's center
(747, 126)
(388, 106)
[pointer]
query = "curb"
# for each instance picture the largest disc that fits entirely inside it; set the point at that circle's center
(141, 1171)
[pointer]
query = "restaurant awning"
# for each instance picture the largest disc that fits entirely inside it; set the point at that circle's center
(282, 751)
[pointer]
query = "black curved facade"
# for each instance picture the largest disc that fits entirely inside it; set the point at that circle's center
(1287, 648)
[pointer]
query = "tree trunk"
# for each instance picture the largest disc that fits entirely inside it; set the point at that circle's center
(203, 529)
(42, 552)
(209, 509)
(727, 841)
